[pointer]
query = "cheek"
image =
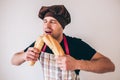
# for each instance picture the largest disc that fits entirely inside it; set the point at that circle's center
(57, 28)
(54, 28)
(44, 26)
(60, 29)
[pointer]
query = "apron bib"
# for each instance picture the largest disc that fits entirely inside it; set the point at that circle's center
(51, 71)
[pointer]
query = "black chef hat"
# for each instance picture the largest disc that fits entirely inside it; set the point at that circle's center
(59, 12)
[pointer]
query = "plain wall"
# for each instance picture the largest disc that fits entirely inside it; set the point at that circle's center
(95, 21)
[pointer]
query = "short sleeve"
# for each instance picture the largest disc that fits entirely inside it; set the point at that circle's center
(80, 49)
(86, 50)
(29, 46)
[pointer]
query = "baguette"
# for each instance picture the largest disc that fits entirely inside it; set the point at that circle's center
(47, 41)
(38, 44)
(54, 45)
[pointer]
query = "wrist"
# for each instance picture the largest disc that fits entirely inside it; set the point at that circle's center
(24, 56)
(78, 65)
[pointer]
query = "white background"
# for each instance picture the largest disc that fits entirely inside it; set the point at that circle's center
(95, 21)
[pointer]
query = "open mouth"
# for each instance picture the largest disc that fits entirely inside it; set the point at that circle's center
(48, 32)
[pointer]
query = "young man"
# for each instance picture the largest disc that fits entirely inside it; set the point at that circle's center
(79, 55)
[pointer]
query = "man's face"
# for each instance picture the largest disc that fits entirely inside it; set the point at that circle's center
(52, 27)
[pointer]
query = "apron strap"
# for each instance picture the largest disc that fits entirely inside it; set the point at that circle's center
(65, 44)
(44, 48)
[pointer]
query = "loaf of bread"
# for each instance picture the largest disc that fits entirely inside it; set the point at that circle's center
(38, 44)
(54, 45)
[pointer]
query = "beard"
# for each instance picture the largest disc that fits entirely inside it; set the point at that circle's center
(58, 37)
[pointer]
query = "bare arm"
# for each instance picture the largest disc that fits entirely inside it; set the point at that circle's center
(18, 58)
(30, 55)
(98, 64)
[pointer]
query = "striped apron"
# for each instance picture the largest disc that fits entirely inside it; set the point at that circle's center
(51, 71)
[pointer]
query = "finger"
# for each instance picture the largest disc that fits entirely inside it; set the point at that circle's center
(33, 53)
(56, 57)
(59, 58)
(30, 59)
(62, 67)
(30, 55)
(32, 49)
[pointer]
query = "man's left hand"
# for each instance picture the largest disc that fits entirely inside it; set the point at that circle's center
(66, 62)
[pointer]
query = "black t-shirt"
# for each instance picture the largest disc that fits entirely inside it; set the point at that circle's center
(77, 48)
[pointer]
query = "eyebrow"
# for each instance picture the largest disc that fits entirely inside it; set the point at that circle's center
(51, 19)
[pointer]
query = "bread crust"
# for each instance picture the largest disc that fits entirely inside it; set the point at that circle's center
(57, 49)
(52, 43)
(38, 44)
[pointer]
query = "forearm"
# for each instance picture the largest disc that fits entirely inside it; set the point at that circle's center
(101, 65)
(18, 58)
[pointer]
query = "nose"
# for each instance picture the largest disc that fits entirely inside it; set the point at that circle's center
(47, 25)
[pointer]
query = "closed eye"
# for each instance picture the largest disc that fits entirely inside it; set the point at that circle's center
(45, 21)
(53, 21)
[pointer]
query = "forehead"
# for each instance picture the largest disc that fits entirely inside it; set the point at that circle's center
(49, 18)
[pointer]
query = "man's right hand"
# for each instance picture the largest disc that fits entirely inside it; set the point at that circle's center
(31, 54)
